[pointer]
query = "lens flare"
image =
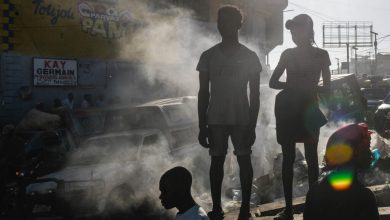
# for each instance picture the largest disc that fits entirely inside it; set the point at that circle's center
(338, 154)
(341, 180)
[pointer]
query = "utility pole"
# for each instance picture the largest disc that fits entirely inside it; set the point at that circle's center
(356, 60)
(348, 56)
(376, 51)
(369, 58)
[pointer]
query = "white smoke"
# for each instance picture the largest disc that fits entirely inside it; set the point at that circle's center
(167, 45)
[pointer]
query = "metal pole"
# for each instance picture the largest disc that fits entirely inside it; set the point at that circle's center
(348, 56)
(356, 60)
(376, 47)
(376, 51)
(323, 35)
(355, 48)
(369, 58)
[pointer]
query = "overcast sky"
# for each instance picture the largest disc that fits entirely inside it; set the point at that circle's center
(376, 11)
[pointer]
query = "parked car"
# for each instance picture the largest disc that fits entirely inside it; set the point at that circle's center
(382, 117)
(374, 82)
(103, 176)
(346, 101)
(176, 117)
(374, 97)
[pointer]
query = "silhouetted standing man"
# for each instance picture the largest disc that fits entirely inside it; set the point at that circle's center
(223, 107)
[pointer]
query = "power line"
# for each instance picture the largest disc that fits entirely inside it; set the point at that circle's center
(316, 13)
(385, 36)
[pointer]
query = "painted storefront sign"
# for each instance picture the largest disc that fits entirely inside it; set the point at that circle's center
(67, 28)
(54, 72)
(54, 12)
(104, 20)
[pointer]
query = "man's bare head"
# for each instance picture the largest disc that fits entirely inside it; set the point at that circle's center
(229, 20)
(175, 187)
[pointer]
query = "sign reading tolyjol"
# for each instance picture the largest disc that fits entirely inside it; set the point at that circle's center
(54, 72)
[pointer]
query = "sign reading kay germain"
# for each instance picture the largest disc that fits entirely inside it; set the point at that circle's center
(54, 72)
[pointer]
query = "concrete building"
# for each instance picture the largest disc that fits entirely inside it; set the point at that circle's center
(52, 47)
(383, 64)
(263, 18)
(365, 65)
(362, 66)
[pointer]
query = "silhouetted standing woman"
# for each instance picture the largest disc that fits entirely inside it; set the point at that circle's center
(298, 117)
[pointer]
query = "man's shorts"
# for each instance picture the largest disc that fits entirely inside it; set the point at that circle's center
(219, 136)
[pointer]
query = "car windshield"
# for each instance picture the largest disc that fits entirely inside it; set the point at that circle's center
(107, 149)
(179, 114)
(136, 118)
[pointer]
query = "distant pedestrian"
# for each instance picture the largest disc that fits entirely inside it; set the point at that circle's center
(175, 187)
(87, 101)
(340, 195)
(224, 108)
(298, 117)
(69, 101)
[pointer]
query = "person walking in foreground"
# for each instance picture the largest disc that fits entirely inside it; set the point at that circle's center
(298, 117)
(224, 73)
(340, 195)
(175, 187)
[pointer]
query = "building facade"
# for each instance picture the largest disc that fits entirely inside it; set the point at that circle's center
(383, 64)
(50, 47)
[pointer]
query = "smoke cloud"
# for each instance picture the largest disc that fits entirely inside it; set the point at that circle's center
(166, 45)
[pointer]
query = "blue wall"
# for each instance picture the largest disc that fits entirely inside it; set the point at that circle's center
(94, 77)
